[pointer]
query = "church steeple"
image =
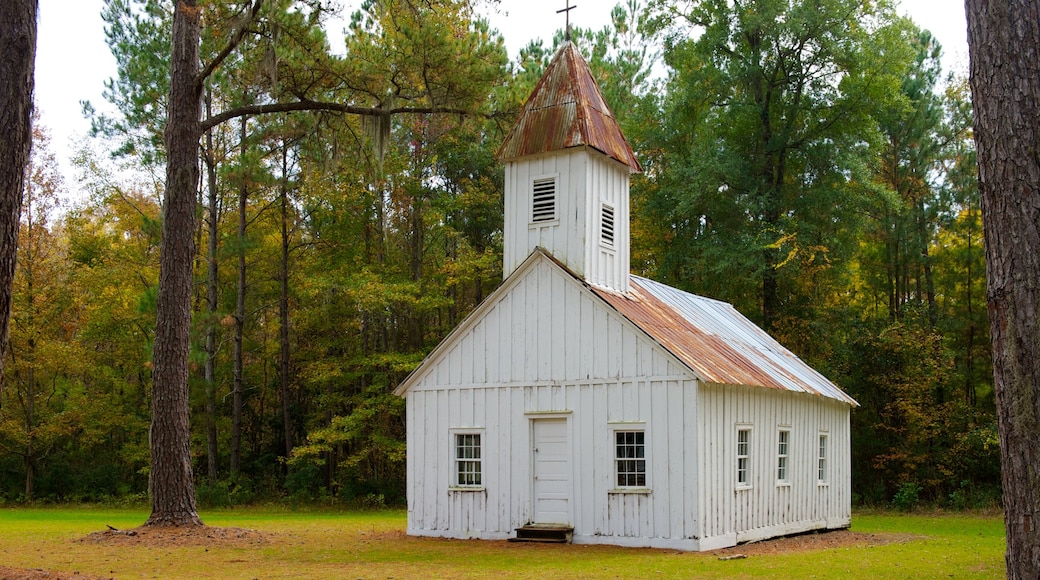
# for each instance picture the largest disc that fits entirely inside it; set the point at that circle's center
(567, 176)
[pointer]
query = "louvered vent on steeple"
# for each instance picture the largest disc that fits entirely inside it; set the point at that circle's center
(606, 226)
(543, 208)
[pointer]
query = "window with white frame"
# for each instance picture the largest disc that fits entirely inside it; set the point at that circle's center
(630, 458)
(469, 464)
(743, 457)
(543, 200)
(821, 464)
(783, 446)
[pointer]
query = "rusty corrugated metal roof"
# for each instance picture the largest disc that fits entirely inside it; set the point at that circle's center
(566, 110)
(715, 341)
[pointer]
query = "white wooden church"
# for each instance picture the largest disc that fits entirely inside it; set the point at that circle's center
(608, 408)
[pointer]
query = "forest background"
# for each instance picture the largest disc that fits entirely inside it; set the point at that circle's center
(810, 162)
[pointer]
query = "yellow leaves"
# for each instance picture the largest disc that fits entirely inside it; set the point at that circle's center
(812, 257)
(371, 432)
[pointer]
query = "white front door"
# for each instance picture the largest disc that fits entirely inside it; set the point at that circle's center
(552, 472)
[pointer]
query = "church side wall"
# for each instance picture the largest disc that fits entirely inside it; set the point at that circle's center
(764, 506)
(549, 349)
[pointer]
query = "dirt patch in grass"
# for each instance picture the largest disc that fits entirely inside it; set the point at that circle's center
(174, 537)
(41, 574)
(149, 537)
(816, 541)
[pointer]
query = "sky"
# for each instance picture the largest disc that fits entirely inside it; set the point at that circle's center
(73, 61)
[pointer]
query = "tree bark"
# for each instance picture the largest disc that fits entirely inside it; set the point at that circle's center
(240, 311)
(17, 64)
(1004, 48)
(212, 283)
(283, 312)
(173, 488)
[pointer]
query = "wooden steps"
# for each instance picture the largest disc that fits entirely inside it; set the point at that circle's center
(549, 533)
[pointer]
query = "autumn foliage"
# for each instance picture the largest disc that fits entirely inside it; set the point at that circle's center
(834, 203)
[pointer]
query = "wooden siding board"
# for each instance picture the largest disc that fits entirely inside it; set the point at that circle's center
(521, 459)
(601, 441)
(505, 484)
(521, 344)
(691, 412)
(558, 348)
(626, 407)
(615, 355)
(586, 417)
(427, 485)
(476, 368)
(660, 431)
(501, 368)
(442, 465)
(587, 311)
(413, 455)
(599, 354)
(571, 320)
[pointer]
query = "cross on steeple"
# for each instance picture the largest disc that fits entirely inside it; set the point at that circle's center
(567, 12)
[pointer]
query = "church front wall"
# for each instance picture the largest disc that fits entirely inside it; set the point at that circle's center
(549, 348)
(663, 513)
(764, 506)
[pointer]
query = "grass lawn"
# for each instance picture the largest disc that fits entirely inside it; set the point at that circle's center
(327, 544)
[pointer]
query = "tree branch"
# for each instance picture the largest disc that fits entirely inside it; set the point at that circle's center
(233, 43)
(307, 105)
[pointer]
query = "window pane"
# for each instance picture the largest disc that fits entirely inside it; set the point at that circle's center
(822, 467)
(743, 454)
(629, 462)
(467, 455)
(783, 438)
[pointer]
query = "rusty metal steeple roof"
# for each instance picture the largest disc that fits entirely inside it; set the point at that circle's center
(566, 110)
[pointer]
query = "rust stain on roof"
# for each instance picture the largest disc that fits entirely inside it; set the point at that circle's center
(716, 341)
(567, 110)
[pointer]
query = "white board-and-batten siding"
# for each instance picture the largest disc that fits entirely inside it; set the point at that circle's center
(586, 179)
(767, 507)
(547, 348)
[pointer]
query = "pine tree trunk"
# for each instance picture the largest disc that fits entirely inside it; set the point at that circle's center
(17, 61)
(283, 313)
(30, 475)
(173, 489)
(1004, 38)
(240, 315)
(212, 283)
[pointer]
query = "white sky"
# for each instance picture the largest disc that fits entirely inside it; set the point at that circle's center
(73, 61)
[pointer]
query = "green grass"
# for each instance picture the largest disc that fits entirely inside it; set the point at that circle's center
(328, 544)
